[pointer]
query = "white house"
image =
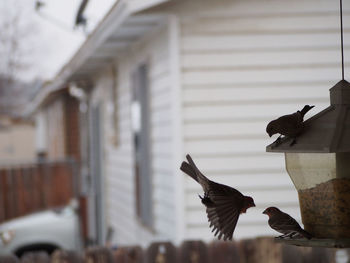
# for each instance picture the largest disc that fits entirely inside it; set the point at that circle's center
(166, 78)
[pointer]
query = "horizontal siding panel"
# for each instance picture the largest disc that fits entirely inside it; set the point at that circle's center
(124, 123)
(161, 164)
(225, 147)
(124, 98)
(123, 197)
(269, 23)
(231, 111)
(160, 117)
(258, 75)
(161, 131)
(160, 85)
(242, 9)
(222, 164)
(126, 163)
(275, 58)
(122, 150)
(125, 135)
(122, 154)
(164, 197)
(164, 181)
(265, 41)
(161, 101)
(198, 130)
(161, 146)
(159, 68)
(164, 226)
(120, 183)
(119, 208)
(123, 220)
(261, 95)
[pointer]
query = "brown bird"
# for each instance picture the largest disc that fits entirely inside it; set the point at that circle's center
(284, 223)
(223, 204)
(290, 125)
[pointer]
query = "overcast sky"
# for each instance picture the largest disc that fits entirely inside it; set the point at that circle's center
(53, 39)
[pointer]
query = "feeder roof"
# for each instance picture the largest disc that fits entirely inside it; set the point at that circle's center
(326, 132)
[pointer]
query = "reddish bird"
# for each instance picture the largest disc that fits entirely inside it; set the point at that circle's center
(284, 223)
(290, 125)
(223, 204)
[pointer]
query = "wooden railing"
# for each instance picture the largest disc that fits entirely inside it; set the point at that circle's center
(29, 188)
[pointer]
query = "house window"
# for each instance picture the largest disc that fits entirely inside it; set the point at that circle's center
(140, 111)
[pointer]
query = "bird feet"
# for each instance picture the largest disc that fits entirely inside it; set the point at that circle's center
(294, 141)
(206, 200)
(289, 235)
(276, 142)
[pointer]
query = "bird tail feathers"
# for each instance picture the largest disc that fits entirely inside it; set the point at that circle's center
(306, 109)
(192, 170)
(189, 170)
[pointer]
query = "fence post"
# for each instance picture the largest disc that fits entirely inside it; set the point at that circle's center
(193, 252)
(9, 259)
(99, 255)
(35, 257)
(64, 256)
(19, 192)
(11, 185)
(225, 252)
(3, 197)
(129, 255)
(161, 252)
(319, 255)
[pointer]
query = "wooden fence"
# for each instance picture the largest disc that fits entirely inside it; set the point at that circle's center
(33, 187)
(260, 250)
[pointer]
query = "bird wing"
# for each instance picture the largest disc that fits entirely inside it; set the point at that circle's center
(225, 203)
(224, 212)
(290, 124)
(284, 223)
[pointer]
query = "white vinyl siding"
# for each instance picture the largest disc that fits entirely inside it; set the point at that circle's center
(243, 64)
(153, 51)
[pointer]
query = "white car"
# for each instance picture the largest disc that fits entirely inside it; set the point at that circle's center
(47, 230)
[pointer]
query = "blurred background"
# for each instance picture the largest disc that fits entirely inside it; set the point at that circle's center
(100, 101)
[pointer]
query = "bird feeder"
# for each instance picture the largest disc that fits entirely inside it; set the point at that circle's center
(319, 166)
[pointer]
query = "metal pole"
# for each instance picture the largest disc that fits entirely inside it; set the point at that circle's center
(342, 41)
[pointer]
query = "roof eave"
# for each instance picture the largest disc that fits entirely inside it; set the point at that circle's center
(121, 10)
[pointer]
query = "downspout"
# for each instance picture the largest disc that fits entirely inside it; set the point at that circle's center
(85, 179)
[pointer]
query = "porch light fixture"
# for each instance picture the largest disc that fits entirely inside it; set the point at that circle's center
(319, 166)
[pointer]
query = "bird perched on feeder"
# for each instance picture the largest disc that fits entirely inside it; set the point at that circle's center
(284, 223)
(290, 125)
(224, 204)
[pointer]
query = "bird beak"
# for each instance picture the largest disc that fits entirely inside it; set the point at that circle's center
(253, 205)
(270, 135)
(265, 212)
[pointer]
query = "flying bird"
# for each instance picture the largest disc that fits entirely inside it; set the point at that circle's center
(290, 125)
(284, 223)
(223, 203)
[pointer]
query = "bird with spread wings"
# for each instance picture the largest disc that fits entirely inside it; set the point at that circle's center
(224, 204)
